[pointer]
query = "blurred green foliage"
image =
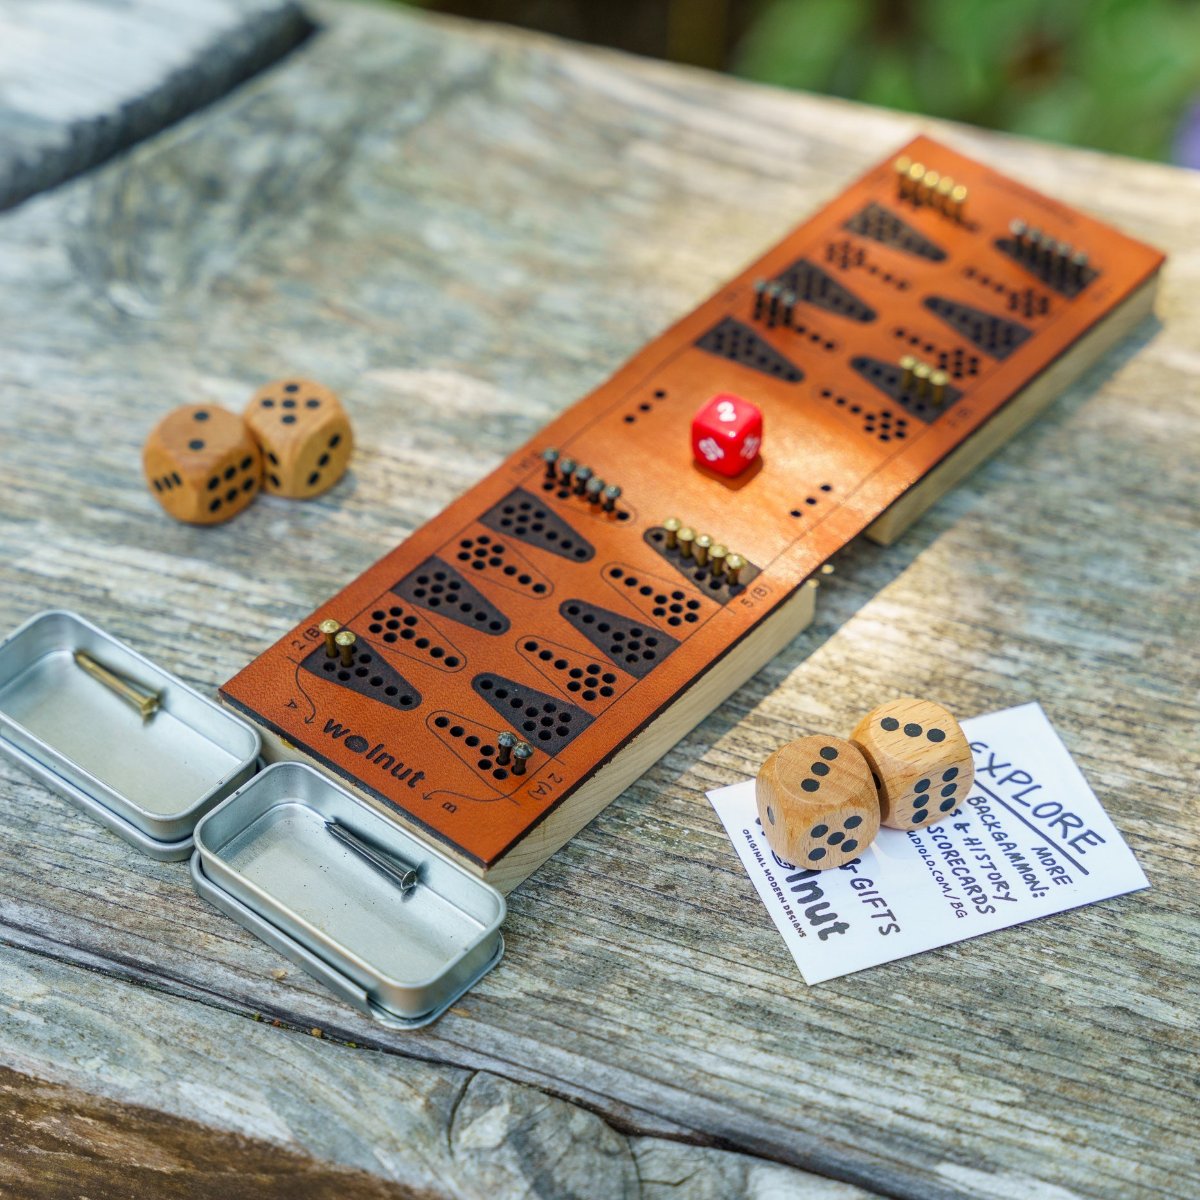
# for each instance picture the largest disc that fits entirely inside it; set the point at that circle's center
(1118, 75)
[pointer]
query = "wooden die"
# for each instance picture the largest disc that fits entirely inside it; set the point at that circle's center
(305, 437)
(202, 464)
(817, 802)
(920, 759)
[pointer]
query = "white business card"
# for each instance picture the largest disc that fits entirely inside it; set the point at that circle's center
(1030, 839)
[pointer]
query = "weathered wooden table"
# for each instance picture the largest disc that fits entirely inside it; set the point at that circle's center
(462, 229)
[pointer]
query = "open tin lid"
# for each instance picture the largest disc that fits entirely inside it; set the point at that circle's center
(125, 741)
(394, 927)
(391, 925)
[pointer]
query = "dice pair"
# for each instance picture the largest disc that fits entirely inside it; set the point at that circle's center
(205, 465)
(821, 799)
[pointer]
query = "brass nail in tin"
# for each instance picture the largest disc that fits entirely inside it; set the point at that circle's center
(387, 922)
(148, 775)
(400, 951)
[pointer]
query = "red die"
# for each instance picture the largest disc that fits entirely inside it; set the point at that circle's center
(727, 434)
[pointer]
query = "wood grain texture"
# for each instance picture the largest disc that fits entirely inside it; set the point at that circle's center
(470, 228)
(306, 439)
(58, 1143)
(81, 80)
(182, 1082)
(202, 464)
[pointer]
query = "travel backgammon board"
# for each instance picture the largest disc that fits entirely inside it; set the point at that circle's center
(520, 659)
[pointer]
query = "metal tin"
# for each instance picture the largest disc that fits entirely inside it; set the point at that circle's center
(267, 858)
(147, 780)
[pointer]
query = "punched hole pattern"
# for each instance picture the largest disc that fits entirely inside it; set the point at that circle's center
(888, 378)
(542, 720)
(718, 587)
(368, 675)
(674, 607)
(484, 552)
(393, 625)
(815, 286)
(438, 587)
(565, 493)
(589, 683)
(881, 423)
(846, 255)
(957, 363)
(811, 501)
(524, 517)
(993, 335)
(630, 418)
(1025, 302)
(778, 313)
(486, 752)
(882, 225)
(740, 344)
(631, 645)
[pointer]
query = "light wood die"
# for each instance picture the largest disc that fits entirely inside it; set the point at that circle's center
(817, 802)
(305, 437)
(201, 464)
(920, 760)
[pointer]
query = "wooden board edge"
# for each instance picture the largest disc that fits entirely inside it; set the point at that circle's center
(593, 796)
(669, 727)
(1015, 415)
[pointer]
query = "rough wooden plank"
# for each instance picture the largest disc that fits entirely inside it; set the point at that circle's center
(476, 252)
(239, 1098)
(81, 80)
(58, 1143)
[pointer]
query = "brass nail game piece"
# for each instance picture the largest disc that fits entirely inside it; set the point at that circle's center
(143, 699)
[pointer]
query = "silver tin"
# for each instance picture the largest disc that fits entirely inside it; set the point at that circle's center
(266, 858)
(149, 781)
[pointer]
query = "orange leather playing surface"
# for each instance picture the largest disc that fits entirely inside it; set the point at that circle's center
(427, 695)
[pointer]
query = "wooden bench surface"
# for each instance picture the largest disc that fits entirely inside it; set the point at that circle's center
(461, 229)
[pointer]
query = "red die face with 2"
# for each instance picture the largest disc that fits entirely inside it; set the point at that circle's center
(727, 434)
